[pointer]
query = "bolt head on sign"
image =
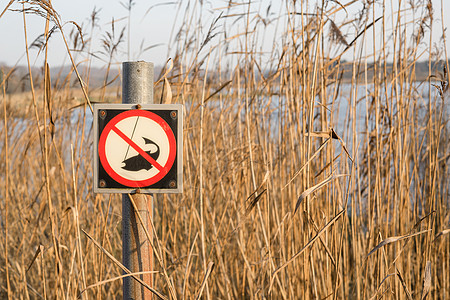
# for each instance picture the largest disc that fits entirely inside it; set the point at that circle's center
(138, 147)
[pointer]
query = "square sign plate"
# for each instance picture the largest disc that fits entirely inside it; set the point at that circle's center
(138, 148)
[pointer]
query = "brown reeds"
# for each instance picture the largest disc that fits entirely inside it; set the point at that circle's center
(316, 157)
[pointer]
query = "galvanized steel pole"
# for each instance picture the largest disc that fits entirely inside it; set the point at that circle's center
(137, 254)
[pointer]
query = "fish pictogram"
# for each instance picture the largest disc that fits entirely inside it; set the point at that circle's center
(138, 162)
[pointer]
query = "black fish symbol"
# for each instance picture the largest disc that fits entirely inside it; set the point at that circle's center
(138, 162)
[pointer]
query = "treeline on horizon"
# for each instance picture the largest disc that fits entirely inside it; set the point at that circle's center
(63, 76)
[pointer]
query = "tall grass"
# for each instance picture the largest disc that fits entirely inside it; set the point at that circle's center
(316, 158)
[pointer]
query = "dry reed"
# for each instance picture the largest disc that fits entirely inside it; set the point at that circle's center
(306, 176)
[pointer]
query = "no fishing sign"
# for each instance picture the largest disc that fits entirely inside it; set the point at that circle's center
(138, 147)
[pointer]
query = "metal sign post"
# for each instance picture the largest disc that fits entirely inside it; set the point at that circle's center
(137, 254)
(138, 150)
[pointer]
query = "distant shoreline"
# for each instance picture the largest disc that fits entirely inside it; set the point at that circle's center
(19, 83)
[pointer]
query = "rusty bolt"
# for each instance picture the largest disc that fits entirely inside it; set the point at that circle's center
(173, 114)
(102, 183)
(102, 114)
(172, 183)
(138, 106)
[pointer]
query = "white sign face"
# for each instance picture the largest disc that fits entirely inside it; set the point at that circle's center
(138, 148)
(125, 160)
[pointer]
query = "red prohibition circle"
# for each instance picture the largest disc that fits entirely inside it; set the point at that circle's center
(111, 126)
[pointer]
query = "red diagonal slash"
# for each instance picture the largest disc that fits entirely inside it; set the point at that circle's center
(138, 149)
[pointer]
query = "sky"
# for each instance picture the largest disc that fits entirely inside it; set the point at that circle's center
(151, 26)
(153, 29)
